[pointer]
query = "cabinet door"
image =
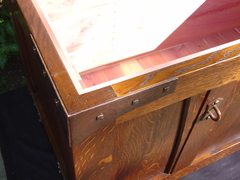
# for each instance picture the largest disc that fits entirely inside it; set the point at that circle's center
(213, 134)
(134, 149)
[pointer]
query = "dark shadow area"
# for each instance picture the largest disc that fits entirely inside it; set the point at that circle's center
(26, 150)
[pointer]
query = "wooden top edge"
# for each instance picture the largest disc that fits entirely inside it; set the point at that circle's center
(179, 67)
(73, 102)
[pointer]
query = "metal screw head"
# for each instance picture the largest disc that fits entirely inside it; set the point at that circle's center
(57, 102)
(216, 102)
(40, 120)
(34, 49)
(59, 168)
(136, 101)
(166, 89)
(208, 117)
(44, 73)
(100, 117)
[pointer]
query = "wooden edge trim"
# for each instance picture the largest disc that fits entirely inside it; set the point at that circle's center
(208, 78)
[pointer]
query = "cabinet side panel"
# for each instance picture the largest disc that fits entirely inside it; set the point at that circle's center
(53, 118)
(139, 148)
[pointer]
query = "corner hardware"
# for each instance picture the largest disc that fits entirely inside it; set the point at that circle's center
(102, 114)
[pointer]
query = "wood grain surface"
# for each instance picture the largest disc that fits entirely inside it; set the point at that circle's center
(137, 149)
(68, 91)
(212, 24)
(207, 136)
(195, 104)
(82, 15)
(227, 130)
(87, 122)
(98, 32)
(150, 140)
(159, 59)
(213, 17)
(221, 153)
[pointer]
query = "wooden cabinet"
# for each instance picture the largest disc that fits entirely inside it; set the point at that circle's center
(176, 110)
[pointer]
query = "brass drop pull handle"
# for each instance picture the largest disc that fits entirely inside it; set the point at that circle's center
(218, 113)
(212, 111)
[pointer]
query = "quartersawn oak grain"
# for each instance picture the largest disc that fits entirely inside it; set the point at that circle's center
(148, 141)
(207, 78)
(137, 149)
(206, 136)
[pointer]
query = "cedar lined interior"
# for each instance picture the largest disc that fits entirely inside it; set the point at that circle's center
(213, 24)
(128, 67)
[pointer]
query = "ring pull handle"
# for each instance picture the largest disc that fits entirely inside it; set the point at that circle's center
(212, 111)
(218, 113)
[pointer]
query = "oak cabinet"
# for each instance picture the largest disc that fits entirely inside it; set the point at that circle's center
(158, 115)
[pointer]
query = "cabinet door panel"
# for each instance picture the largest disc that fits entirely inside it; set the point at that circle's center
(192, 109)
(227, 130)
(135, 149)
(208, 135)
(193, 142)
